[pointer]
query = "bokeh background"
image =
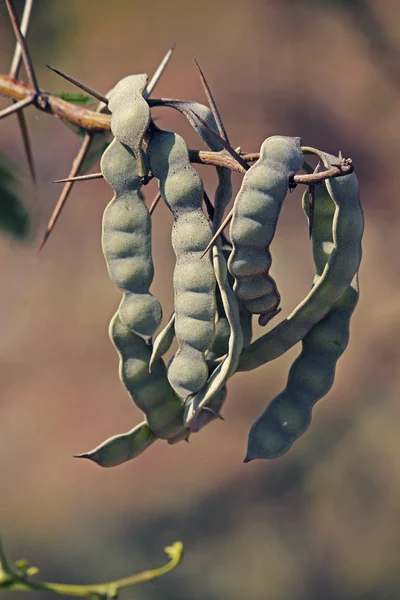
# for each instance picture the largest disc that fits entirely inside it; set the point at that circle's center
(321, 522)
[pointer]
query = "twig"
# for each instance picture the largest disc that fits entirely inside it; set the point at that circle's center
(94, 122)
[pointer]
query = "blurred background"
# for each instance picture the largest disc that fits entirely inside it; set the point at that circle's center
(320, 522)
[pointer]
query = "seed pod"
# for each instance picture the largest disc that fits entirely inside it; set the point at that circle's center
(189, 109)
(194, 281)
(256, 211)
(311, 377)
(130, 115)
(151, 392)
(221, 374)
(126, 241)
(127, 223)
(339, 271)
(121, 448)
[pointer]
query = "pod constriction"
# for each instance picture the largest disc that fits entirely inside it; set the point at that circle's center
(255, 216)
(194, 280)
(339, 271)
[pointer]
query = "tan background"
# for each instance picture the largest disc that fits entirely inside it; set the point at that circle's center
(322, 522)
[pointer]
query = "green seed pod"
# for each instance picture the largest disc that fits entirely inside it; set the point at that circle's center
(194, 280)
(256, 211)
(151, 392)
(221, 374)
(340, 269)
(121, 448)
(189, 109)
(130, 115)
(126, 241)
(311, 377)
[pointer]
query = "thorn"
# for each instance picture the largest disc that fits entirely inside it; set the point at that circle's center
(80, 178)
(16, 60)
(340, 156)
(24, 48)
(80, 85)
(27, 144)
(16, 106)
(76, 165)
(227, 146)
(212, 104)
(224, 223)
(154, 203)
(318, 167)
(160, 70)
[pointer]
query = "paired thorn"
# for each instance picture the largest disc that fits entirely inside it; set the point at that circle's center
(17, 106)
(212, 104)
(160, 70)
(24, 49)
(225, 144)
(80, 85)
(17, 58)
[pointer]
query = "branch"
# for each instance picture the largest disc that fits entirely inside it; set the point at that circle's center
(94, 122)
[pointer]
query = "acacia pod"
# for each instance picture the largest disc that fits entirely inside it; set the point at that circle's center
(194, 281)
(126, 241)
(255, 216)
(339, 271)
(151, 392)
(130, 114)
(311, 377)
(190, 109)
(228, 366)
(123, 447)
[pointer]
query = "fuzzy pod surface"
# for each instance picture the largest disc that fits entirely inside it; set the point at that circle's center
(255, 216)
(194, 281)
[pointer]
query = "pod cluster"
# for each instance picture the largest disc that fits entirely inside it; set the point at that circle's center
(217, 296)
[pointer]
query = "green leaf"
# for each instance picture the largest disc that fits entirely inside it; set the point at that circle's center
(14, 218)
(75, 97)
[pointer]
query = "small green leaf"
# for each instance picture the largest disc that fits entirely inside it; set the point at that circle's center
(14, 218)
(75, 97)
